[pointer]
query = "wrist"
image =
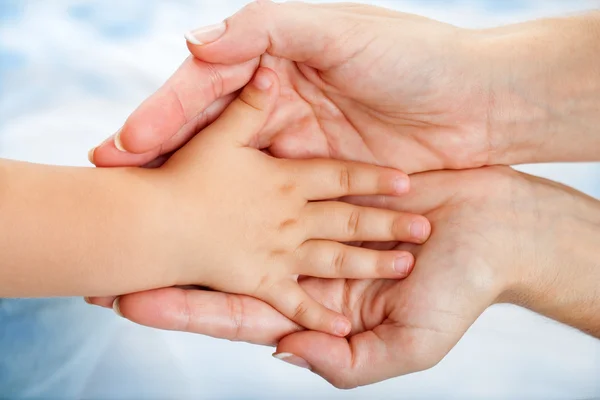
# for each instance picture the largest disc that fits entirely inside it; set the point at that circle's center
(558, 269)
(149, 250)
(544, 90)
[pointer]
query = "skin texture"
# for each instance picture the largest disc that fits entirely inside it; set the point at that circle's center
(85, 231)
(331, 104)
(69, 231)
(222, 192)
(442, 97)
(498, 236)
(374, 85)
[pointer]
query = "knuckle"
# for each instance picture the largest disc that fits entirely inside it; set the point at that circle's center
(300, 311)
(235, 307)
(338, 262)
(353, 224)
(216, 80)
(344, 178)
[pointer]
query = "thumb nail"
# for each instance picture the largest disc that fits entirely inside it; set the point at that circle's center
(117, 308)
(206, 34)
(293, 359)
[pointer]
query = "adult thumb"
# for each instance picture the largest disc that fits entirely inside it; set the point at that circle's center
(243, 120)
(319, 36)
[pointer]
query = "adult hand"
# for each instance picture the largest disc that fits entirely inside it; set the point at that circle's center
(498, 236)
(358, 82)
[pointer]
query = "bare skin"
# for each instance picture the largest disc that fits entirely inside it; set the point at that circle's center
(364, 83)
(498, 236)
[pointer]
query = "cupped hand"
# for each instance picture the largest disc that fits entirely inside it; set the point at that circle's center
(281, 214)
(358, 82)
(498, 236)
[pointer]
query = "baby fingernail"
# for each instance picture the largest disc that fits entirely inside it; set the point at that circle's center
(401, 185)
(117, 308)
(206, 34)
(402, 265)
(419, 230)
(262, 80)
(293, 359)
(341, 327)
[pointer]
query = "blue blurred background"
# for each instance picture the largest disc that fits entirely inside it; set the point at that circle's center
(70, 73)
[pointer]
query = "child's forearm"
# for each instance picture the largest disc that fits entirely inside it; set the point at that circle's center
(78, 231)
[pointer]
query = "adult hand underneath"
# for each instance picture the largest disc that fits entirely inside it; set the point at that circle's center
(498, 236)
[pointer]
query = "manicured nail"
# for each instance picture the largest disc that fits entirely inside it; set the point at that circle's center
(419, 230)
(91, 155)
(118, 143)
(402, 185)
(341, 327)
(262, 80)
(402, 265)
(116, 308)
(293, 359)
(206, 34)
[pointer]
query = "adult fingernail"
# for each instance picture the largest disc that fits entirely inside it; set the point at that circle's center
(116, 307)
(87, 300)
(206, 34)
(91, 155)
(118, 143)
(262, 80)
(402, 185)
(419, 230)
(402, 265)
(293, 359)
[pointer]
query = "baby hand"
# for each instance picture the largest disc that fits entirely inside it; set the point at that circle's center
(252, 224)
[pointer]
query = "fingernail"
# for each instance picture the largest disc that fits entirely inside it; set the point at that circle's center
(402, 265)
(206, 34)
(262, 80)
(293, 359)
(116, 308)
(401, 185)
(87, 300)
(118, 143)
(341, 327)
(419, 230)
(91, 155)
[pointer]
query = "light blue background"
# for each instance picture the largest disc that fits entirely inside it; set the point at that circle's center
(70, 73)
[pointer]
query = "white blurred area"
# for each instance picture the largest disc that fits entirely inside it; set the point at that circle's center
(71, 71)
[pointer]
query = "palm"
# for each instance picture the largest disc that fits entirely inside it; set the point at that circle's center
(417, 321)
(480, 219)
(376, 86)
(351, 111)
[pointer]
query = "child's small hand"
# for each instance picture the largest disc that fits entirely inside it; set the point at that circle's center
(251, 224)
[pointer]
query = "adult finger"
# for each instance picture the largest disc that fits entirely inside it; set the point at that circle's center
(194, 87)
(216, 314)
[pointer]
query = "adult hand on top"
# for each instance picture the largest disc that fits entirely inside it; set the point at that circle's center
(358, 82)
